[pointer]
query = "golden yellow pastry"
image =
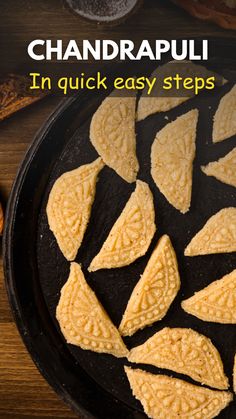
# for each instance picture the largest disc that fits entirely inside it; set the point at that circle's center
(167, 397)
(224, 169)
(69, 206)
(184, 351)
(112, 133)
(224, 125)
(217, 236)
(132, 233)
(172, 156)
(159, 99)
(215, 303)
(155, 291)
(83, 320)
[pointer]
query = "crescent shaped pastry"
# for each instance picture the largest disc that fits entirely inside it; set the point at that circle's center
(150, 105)
(155, 291)
(224, 169)
(69, 206)
(172, 156)
(224, 125)
(215, 303)
(112, 133)
(132, 233)
(165, 397)
(83, 320)
(217, 236)
(184, 351)
(158, 100)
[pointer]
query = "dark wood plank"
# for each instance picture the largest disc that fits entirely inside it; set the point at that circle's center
(23, 391)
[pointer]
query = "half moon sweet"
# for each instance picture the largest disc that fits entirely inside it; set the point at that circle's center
(224, 169)
(150, 105)
(155, 291)
(69, 206)
(172, 156)
(83, 320)
(215, 303)
(224, 125)
(158, 100)
(217, 236)
(183, 351)
(132, 233)
(112, 133)
(165, 397)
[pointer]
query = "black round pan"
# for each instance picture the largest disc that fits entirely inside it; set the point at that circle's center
(95, 385)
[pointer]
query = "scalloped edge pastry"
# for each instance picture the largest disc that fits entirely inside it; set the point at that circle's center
(218, 235)
(224, 125)
(166, 397)
(223, 169)
(172, 155)
(184, 351)
(155, 291)
(216, 302)
(83, 320)
(132, 233)
(112, 133)
(69, 206)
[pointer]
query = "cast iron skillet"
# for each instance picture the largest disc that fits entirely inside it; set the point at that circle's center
(95, 385)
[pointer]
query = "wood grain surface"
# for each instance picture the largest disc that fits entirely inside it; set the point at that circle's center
(23, 392)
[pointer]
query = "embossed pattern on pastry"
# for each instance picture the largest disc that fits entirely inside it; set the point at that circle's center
(217, 236)
(166, 397)
(132, 233)
(83, 320)
(158, 101)
(224, 169)
(150, 105)
(69, 206)
(224, 125)
(112, 133)
(172, 156)
(155, 103)
(184, 351)
(215, 303)
(155, 291)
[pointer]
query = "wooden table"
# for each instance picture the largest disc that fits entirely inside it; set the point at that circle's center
(23, 392)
